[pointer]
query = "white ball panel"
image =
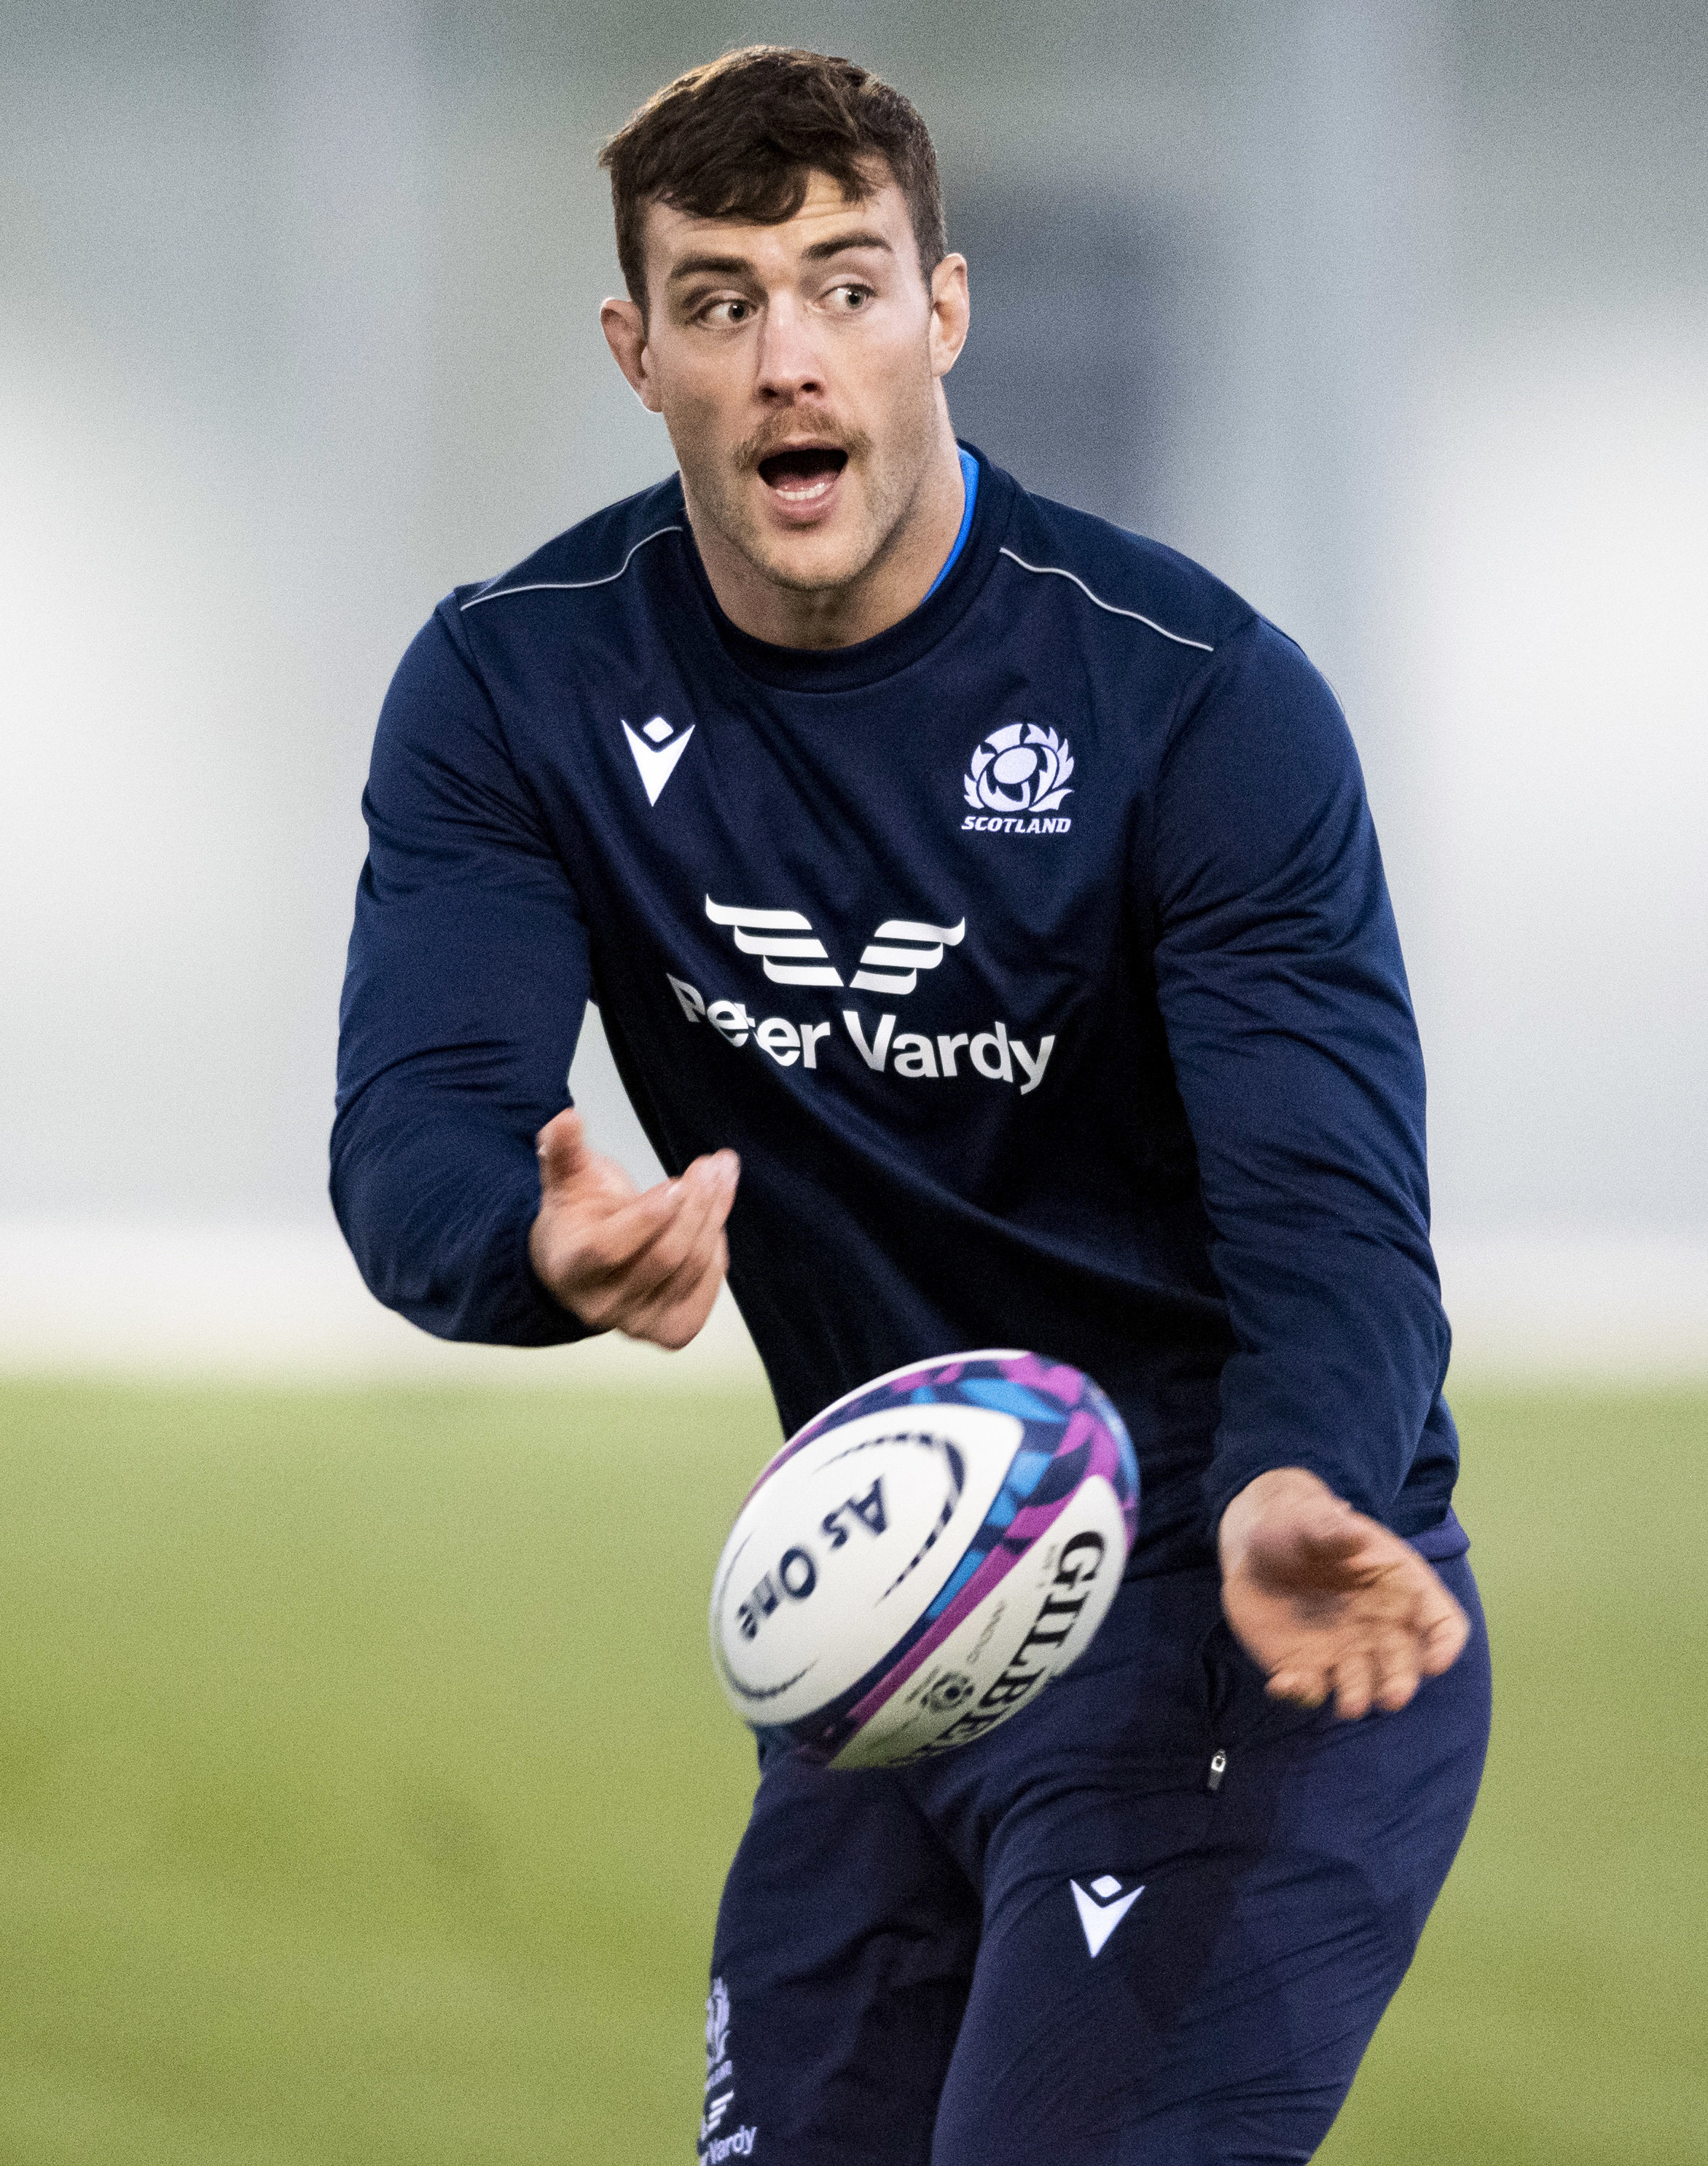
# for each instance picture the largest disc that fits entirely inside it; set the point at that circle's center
(835, 1556)
(1037, 1621)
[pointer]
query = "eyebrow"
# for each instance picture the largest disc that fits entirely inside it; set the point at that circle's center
(736, 266)
(821, 249)
(719, 267)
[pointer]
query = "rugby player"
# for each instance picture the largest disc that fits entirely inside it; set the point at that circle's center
(987, 923)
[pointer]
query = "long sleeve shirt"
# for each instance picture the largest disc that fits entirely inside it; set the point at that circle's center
(1035, 955)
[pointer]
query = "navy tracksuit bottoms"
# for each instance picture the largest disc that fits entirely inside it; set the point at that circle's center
(1152, 1921)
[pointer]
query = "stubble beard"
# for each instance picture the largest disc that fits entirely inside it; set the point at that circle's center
(891, 483)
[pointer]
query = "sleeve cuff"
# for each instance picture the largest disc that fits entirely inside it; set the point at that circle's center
(1226, 1476)
(529, 1314)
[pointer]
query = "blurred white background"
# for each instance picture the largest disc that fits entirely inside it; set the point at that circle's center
(1394, 315)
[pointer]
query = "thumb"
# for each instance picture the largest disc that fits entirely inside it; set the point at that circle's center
(562, 1145)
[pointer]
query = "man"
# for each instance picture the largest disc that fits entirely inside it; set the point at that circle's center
(989, 929)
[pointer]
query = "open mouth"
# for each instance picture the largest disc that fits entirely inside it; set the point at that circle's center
(805, 474)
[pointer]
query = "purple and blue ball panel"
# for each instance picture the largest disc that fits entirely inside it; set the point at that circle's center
(1071, 1431)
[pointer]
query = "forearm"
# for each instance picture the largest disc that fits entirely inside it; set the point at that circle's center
(467, 981)
(1341, 1349)
(437, 1204)
(1289, 1026)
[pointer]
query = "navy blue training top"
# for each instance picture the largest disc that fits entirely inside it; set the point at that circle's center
(1035, 955)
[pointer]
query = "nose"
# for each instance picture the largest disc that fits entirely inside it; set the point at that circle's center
(788, 359)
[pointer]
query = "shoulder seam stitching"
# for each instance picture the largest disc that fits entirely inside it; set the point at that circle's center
(569, 586)
(1060, 572)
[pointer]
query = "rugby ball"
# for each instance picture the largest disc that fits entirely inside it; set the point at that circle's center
(917, 1563)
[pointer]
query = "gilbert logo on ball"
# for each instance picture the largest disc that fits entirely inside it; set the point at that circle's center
(917, 1563)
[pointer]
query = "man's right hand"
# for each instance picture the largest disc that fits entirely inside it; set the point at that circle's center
(646, 1264)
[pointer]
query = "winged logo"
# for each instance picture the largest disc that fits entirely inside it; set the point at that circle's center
(792, 953)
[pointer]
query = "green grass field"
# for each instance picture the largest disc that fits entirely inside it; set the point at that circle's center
(343, 1819)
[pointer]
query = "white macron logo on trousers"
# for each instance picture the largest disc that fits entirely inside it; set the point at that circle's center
(1101, 1907)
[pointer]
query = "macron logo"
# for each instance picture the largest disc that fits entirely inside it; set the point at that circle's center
(656, 748)
(1101, 1907)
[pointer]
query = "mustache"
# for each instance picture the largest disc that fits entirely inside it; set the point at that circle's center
(777, 436)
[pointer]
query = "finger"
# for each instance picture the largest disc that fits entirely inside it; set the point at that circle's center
(1354, 1685)
(711, 1185)
(594, 1250)
(674, 1311)
(1302, 1684)
(651, 1294)
(571, 1171)
(638, 1262)
(725, 1167)
(680, 1315)
(1396, 1688)
(562, 1149)
(1433, 1622)
(1444, 1629)
(1397, 1659)
(682, 1243)
(712, 1182)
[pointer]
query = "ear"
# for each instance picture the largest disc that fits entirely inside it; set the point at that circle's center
(626, 334)
(951, 312)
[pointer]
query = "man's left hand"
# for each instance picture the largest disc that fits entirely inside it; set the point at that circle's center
(1329, 1602)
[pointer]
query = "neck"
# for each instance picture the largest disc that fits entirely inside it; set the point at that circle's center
(887, 588)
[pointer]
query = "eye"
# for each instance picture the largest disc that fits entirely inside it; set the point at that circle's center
(850, 297)
(732, 310)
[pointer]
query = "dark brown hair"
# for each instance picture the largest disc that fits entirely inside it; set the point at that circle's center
(741, 136)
